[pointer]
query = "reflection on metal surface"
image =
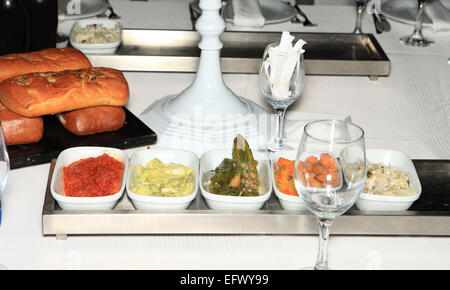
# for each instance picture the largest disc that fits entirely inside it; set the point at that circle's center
(429, 216)
(177, 51)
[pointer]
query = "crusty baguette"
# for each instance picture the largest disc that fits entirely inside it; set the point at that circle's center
(51, 59)
(20, 130)
(93, 120)
(38, 94)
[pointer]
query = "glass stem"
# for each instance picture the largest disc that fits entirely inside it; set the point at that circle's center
(418, 25)
(322, 256)
(279, 127)
(359, 11)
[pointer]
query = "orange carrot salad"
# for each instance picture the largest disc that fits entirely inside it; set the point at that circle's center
(320, 173)
(284, 176)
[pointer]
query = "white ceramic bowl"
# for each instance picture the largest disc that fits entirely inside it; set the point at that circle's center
(96, 48)
(211, 159)
(73, 154)
(371, 202)
(143, 202)
(288, 202)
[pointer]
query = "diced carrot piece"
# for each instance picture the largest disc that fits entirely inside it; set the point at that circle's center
(282, 172)
(290, 179)
(285, 174)
(309, 166)
(327, 160)
(333, 169)
(291, 191)
(279, 178)
(310, 177)
(284, 187)
(290, 170)
(314, 183)
(322, 177)
(327, 178)
(312, 159)
(284, 163)
(318, 169)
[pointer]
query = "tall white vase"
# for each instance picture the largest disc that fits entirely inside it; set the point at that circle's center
(207, 115)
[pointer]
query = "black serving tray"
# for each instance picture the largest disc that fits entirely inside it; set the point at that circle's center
(435, 180)
(56, 138)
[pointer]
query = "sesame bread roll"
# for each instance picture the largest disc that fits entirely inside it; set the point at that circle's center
(93, 120)
(38, 94)
(18, 129)
(51, 59)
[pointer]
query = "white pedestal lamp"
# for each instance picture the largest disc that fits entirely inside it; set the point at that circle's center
(207, 115)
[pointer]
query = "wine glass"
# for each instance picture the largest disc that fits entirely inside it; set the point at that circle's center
(360, 6)
(292, 86)
(4, 167)
(417, 38)
(330, 171)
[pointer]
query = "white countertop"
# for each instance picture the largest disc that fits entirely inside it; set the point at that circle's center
(407, 111)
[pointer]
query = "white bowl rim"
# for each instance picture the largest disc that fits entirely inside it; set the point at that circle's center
(164, 199)
(236, 199)
(169, 150)
(99, 20)
(389, 198)
(287, 197)
(90, 199)
(95, 46)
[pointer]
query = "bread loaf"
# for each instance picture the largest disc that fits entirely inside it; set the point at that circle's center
(93, 120)
(38, 94)
(20, 130)
(51, 59)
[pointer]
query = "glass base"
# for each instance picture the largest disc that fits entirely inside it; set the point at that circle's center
(277, 147)
(415, 41)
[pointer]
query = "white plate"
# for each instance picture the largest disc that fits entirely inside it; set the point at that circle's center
(274, 11)
(404, 11)
(211, 159)
(288, 202)
(79, 9)
(371, 202)
(73, 154)
(145, 202)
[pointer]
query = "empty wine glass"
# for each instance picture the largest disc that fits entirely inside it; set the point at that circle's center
(360, 6)
(4, 167)
(330, 171)
(294, 87)
(417, 38)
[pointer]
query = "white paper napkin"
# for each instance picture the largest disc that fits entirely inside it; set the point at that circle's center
(282, 60)
(247, 13)
(439, 14)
